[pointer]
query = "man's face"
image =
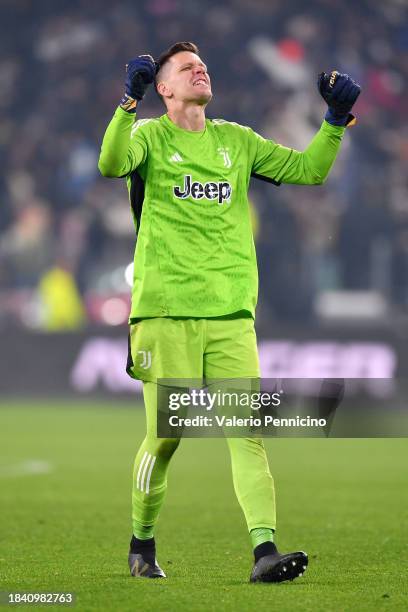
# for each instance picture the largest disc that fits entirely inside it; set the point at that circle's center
(184, 78)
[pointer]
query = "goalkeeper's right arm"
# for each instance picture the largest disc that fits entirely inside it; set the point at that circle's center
(119, 155)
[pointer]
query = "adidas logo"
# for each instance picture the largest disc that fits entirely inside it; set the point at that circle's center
(176, 157)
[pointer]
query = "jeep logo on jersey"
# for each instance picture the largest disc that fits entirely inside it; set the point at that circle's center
(220, 191)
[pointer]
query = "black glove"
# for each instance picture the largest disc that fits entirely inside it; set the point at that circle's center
(340, 92)
(140, 72)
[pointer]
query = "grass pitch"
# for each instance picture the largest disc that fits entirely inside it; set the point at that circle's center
(65, 477)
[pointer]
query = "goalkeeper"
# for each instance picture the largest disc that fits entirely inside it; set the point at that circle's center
(195, 274)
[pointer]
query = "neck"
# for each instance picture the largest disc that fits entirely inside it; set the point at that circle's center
(188, 117)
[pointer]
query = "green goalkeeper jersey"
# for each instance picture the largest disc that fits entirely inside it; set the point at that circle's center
(195, 253)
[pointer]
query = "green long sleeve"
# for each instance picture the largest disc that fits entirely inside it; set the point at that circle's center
(120, 153)
(310, 167)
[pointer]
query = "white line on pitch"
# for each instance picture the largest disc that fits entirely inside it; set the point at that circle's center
(30, 467)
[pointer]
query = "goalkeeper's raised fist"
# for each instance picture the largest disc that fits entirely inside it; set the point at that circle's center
(340, 92)
(140, 72)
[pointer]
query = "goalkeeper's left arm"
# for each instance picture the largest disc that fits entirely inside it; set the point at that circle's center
(311, 166)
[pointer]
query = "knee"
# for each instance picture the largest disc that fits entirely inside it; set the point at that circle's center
(246, 445)
(165, 447)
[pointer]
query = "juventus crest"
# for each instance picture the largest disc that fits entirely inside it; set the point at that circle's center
(224, 152)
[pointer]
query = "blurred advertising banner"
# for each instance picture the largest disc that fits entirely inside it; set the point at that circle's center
(93, 362)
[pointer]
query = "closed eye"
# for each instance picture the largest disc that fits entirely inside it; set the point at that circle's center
(188, 66)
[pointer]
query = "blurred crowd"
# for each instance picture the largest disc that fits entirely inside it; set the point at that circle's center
(62, 72)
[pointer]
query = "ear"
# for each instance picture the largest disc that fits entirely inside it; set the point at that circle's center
(163, 89)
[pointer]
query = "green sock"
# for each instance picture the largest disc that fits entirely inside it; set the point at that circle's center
(142, 532)
(261, 535)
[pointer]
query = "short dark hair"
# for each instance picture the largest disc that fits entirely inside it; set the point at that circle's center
(166, 55)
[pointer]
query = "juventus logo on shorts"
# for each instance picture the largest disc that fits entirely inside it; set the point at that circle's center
(146, 359)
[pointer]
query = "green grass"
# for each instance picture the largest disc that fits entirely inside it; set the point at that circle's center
(343, 501)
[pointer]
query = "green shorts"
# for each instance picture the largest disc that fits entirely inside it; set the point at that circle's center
(192, 348)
